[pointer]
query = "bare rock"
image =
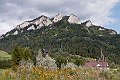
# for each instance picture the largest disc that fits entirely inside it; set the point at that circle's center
(23, 25)
(58, 17)
(88, 23)
(74, 20)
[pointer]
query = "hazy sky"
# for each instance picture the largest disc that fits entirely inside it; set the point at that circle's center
(100, 12)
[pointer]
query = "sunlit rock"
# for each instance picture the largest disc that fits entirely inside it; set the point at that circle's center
(58, 17)
(74, 20)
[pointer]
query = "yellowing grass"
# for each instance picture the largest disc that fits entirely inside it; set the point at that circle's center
(39, 73)
(4, 55)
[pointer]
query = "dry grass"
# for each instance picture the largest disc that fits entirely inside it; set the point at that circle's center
(39, 73)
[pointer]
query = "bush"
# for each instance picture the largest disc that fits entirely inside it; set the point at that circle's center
(79, 61)
(60, 60)
(18, 53)
(5, 64)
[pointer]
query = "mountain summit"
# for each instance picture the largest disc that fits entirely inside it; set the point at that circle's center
(74, 19)
(43, 21)
(64, 34)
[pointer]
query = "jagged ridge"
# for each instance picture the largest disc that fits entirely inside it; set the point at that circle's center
(46, 21)
(84, 39)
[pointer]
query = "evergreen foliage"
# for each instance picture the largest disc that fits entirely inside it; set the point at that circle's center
(76, 39)
(18, 53)
(60, 60)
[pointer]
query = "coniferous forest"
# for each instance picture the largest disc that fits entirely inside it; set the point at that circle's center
(56, 46)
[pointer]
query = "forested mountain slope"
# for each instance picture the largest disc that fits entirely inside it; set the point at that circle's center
(64, 34)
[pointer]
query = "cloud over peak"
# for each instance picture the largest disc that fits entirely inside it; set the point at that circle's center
(13, 12)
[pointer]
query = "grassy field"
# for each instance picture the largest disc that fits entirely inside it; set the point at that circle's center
(5, 60)
(4, 55)
(4, 77)
(38, 73)
(26, 72)
(1, 70)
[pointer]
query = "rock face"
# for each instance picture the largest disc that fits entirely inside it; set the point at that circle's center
(88, 23)
(71, 65)
(1, 37)
(39, 22)
(74, 20)
(101, 29)
(113, 32)
(57, 18)
(42, 21)
(23, 25)
(15, 33)
(46, 62)
(39, 58)
(31, 28)
(7, 34)
(50, 63)
(100, 35)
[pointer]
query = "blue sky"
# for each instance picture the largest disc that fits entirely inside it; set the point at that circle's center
(105, 13)
(116, 15)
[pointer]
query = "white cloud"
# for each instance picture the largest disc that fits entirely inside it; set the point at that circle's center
(4, 27)
(13, 12)
(100, 11)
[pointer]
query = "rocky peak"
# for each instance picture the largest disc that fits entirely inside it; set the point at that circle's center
(23, 25)
(74, 19)
(42, 21)
(113, 32)
(46, 62)
(88, 23)
(58, 17)
(1, 37)
(46, 21)
(39, 22)
(101, 29)
(32, 27)
(15, 33)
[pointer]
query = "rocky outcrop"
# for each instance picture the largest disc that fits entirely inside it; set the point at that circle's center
(23, 25)
(100, 35)
(74, 20)
(7, 34)
(42, 21)
(31, 27)
(50, 63)
(113, 32)
(70, 65)
(88, 23)
(15, 33)
(39, 22)
(1, 37)
(57, 18)
(101, 29)
(46, 62)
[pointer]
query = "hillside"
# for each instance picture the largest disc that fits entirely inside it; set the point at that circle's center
(64, 34)
(4, 55)
(5, 60)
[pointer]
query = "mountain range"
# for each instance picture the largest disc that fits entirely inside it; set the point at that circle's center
(66, 35)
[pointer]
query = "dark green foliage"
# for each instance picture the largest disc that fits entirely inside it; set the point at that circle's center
(18, 53)
(60, 60)
(79, 61)
(5, 64)
(71, 38)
